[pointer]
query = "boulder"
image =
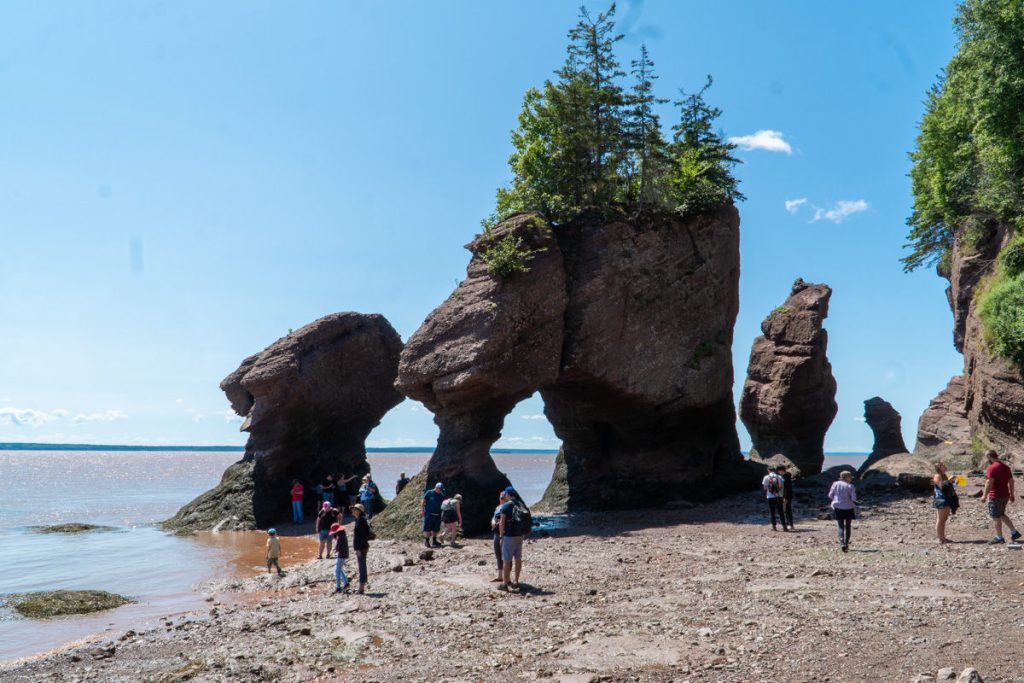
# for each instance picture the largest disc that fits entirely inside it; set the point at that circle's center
(309, 401)
(624, 326)
(788, 399)
(885, 424)
(944, 430)
(900, 470)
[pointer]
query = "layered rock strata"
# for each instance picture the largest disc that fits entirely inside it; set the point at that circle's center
(886, 426)
(625, 327)
(309, 400)
(944, 431)
(788, 399)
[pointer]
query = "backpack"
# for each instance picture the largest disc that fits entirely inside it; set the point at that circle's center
(520, 522)
(448, 505)
(951, 497)
(775, 485)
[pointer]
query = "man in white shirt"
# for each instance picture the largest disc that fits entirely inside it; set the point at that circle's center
(773, 488)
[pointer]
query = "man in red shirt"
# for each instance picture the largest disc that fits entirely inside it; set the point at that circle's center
(298, 492)
(999, 493)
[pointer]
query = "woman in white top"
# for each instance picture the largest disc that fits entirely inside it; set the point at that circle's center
(844, 504)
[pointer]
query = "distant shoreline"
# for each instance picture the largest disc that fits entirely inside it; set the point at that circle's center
(223, 449)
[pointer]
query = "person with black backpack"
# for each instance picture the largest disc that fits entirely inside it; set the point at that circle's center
(946, 501)
(773, 486)
(514, 524)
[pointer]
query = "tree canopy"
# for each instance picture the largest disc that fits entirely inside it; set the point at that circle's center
(969, 161)
(586, 142)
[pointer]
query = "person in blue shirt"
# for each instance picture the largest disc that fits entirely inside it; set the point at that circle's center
(431, 508)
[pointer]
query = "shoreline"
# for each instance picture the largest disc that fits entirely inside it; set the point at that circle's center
(708, 593)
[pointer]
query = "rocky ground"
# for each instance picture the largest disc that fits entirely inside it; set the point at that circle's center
(704, 594)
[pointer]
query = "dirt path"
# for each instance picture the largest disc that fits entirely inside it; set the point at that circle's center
(707, 594)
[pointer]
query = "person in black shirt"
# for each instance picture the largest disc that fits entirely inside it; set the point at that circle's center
(361, 542)
(328, 515)
(787, 497)
(403, 481)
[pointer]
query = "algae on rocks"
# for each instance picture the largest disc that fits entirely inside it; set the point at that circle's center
(46, 604)
(70, 528)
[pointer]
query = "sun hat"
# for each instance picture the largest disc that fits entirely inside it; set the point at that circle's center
(336, 528)
(271, 531)
(359, 506)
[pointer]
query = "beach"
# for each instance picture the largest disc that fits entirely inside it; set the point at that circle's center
(703, 594)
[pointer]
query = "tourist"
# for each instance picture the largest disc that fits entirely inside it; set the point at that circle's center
(496, 527)
(451, 517)
(787, 497)
(273, 551)
(361, 542)
(347, 490)
(945, 500)
(341, 553)
(324, 520)
(327, 489)
(430, 506)
(402, 482)
(772, 485)
(512, 525)
(999, 493)
(298, 492)
(368, 493)
(843, 495)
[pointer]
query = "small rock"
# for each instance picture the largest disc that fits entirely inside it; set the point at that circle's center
(426, 555)
(946, 674)
(970, 675)
(305, 631)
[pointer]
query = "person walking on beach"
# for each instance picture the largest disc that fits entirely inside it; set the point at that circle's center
(430, 507)
(512, 521)
(324, 520)
(772, 485)
(361, 542)
(787, 497)
(341, 553)
(368, 495)
(298, 492)
(496, 527)
(402, 482)
(451, 517)
(945, 500)
(273, 551)
(999, 493)
(843, 497)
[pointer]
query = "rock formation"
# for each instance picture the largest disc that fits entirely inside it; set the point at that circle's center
(624, 327)
(900, 470)
(944, 432)
(788, 400)
(309, 401)
(885, 424)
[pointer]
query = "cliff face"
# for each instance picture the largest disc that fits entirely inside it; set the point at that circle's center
(309, 401)
(788, 399)
(991, 391)
(625, 329)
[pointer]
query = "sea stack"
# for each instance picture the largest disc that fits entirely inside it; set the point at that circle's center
(788, 399)
(309, 400)
(885, 424)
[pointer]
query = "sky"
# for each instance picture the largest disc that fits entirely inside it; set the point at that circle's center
(183, 182)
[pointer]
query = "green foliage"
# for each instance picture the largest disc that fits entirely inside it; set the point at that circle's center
(705, 349)
(1012, 257)
(969, 161)
(779, 310)
(506, 257)
(584, 143)
(1000, 306)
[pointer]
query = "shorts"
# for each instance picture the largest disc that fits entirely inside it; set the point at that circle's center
(511, 548)
(997, 507)
(324, 534)
(449, 516)
(432, 523)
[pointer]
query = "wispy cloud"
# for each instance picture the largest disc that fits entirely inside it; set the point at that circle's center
(532, 417)
(841, 211)
(230, 416)
(768, 140)
(105, 416)
(793, 205)
(30, 417)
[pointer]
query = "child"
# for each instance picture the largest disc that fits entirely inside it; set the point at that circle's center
(340, 552)
(273, 551)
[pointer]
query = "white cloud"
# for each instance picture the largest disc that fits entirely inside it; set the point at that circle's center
(768, 140)
(533, 417)
(105, 416)
(230, 416)
(793, 205)
(841, 211)
(27, 417)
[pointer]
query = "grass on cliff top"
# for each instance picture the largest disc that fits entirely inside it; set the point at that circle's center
(46, 604)
(70, 528)
(1000, 304)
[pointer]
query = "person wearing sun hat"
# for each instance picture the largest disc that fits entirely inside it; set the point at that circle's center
(341, 553)
(273, 551)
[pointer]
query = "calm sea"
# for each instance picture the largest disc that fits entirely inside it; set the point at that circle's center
(131, 491)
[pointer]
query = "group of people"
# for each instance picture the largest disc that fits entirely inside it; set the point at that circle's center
(339, 493)
(997, 494)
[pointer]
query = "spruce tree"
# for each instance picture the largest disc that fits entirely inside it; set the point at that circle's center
(646, 162)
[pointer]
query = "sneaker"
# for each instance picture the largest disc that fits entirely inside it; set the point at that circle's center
(338, 590)
(1015, 536)
(846, 548)
(503, 587)
(436, 544)
(997, 540)
(426, 542)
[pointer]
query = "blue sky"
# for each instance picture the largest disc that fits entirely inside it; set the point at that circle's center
(182, 182)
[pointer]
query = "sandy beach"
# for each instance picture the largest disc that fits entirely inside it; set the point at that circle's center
(705, 594)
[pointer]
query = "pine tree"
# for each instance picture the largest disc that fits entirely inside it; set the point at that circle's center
(647, 158)
(701, 177)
